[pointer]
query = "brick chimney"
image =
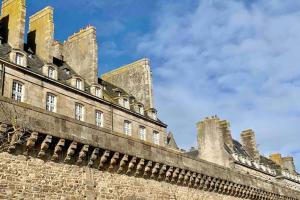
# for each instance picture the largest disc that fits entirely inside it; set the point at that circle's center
(41, 33)
(80, 51)
(211, 142)
(13, 22)
(276, 158)
(249, 143)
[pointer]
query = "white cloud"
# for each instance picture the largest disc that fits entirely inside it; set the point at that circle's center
(238, 61)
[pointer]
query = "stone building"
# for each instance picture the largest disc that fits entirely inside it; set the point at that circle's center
(66, 133)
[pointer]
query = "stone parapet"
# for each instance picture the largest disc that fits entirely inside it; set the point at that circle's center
(55, 138)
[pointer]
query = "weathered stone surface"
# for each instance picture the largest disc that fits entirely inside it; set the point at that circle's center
(134, 78)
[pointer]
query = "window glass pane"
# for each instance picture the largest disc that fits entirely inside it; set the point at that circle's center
(19, 59)
(51, 103)
(78, 83)
(99, 118)
(142, 133)
(17, 91)
(79, 112)
(50, 72)
(127, 127)
(155, 137)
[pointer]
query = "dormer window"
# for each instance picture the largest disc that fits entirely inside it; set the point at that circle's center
(19, 59)
(51, 72)
(141, 109)
(125, 103)
(78, 84)
(98, 92)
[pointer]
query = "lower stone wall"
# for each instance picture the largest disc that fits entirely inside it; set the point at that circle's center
(24, 177)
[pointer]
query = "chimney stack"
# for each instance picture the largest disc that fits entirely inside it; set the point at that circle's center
(13, 14)
(211, 142)
(249, 143)
(41, 34)
(80, 51)
(284, 162)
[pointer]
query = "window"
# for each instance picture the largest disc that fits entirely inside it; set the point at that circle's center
(99, 118)
(98, 92)
(142, 133)
(127, 127)
(78, 84)
(125, 103)
(19, 59)
(50, 72)
(154, 116)
(51, 102)
(17, 91)
(141, 109)
(155, 137)
(79, 111)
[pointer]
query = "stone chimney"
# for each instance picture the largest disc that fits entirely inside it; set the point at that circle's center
(284, 162)
(13, 22)
(249, 143)
(80, 51)
(211, 142)
(288, 163)
(41, 34)
(276, 158)
(225, 128)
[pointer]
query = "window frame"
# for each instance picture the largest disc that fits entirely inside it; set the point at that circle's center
(53, 72)
(19, 60)
(142, 134)
(79, 115)
(156, 137)
(127, 129)
(98, 92)
(17, 95)
(99, 121)
(51, 106)
(78, 83)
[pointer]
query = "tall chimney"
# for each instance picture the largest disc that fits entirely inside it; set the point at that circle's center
(41, 33)
(211, 142)
(249, 142)
(288, 163)
(225, 128)
(13, 22)
(80, 51)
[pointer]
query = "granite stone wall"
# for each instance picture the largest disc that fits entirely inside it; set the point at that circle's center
(24, 177)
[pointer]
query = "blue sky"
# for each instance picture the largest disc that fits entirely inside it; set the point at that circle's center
(235, 59)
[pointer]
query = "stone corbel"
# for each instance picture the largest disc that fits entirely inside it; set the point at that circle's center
(175, 175)
(123, 164)
(15, 140)
(140, 167)
(94, 157)
(82, 154)
(31, 142)
(186, 178)
(147, 169)
(104, 159)
(113, 161)
(155, 170)
(207, 183)
(131, 165)
(192, 179)
(169, 173)
(181, 176)
(58, 148)
(45, 146)
(162, 171)
(202, 181)
(71, 151)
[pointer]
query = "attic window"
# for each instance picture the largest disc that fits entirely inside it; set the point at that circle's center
(19, 59)
(141, 109)
(67, 71)
(78, 84)
(50, 72)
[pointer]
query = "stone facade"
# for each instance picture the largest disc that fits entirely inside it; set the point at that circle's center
(136, 79)
(65, 133)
